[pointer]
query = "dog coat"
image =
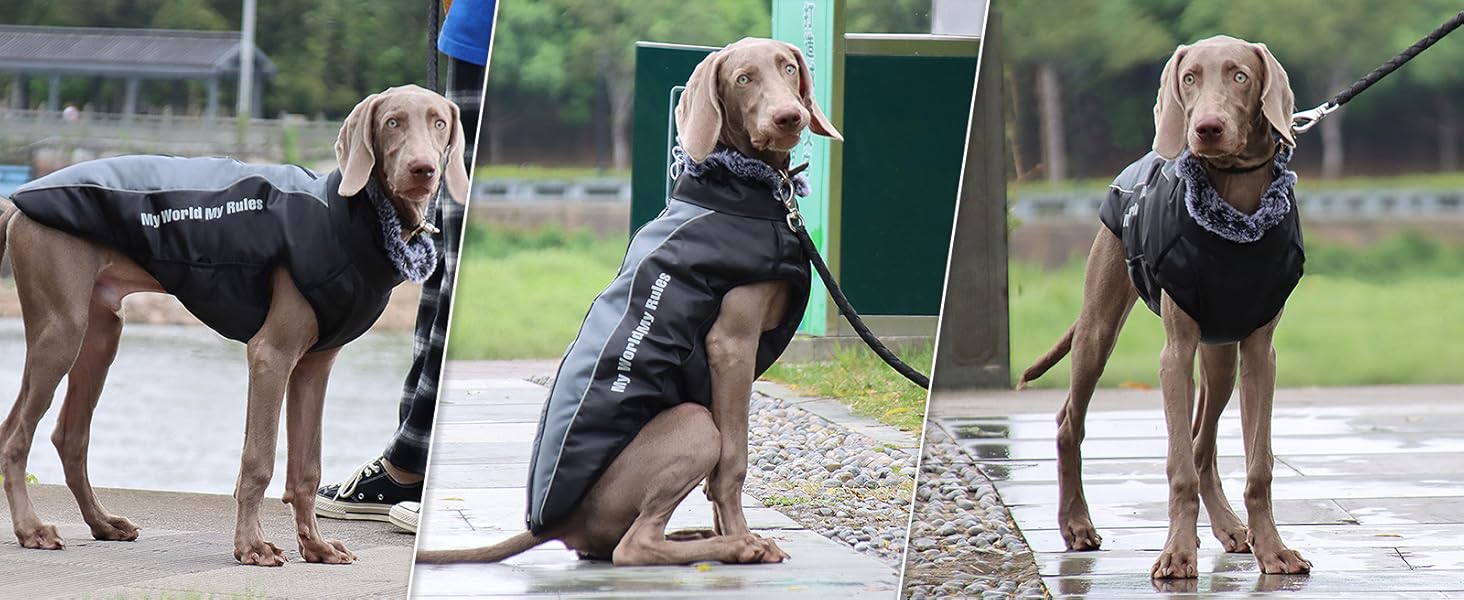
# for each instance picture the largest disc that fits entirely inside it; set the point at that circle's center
(1230, 271)
(642, 348)
(212, 230)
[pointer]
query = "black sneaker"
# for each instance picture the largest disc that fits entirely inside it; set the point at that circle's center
(368, 494)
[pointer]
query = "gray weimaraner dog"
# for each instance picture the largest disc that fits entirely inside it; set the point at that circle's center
(1229, 102)
(754, 96)
(71, 292)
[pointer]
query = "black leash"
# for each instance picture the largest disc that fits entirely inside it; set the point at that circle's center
(795, 222)
(1303, 121)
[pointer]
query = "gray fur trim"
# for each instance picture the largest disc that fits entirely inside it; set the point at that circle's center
(736, 163)
(416, 258)
(1220, 218)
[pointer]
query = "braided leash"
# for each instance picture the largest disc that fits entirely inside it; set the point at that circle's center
(1305, 120)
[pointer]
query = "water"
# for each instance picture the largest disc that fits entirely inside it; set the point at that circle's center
(172, 414)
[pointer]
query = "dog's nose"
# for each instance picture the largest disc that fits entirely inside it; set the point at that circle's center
(1209, 129)
(423, 169)
(788, 120)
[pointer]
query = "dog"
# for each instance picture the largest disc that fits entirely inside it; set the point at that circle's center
(244, 247)
(1217, 272)
(652, 397)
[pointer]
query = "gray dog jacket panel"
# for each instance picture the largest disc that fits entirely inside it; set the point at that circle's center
(211, 230)
(1229, 288)
(641, 347)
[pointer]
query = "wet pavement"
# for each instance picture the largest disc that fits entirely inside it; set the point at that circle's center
(180, 391)
(487, 419)
(171, 419)
(1369, 486)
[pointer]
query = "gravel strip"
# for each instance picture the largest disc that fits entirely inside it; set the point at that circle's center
(964, 542)
(847, 486)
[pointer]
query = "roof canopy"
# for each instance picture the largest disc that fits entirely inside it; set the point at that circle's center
(119, 52)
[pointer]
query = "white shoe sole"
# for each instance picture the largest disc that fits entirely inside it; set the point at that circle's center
(404, 519)
(331, 508)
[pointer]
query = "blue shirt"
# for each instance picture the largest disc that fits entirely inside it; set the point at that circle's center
(467, 31)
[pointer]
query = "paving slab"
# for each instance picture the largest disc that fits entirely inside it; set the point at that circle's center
(476, 496)
(1367, 486)
(186, 549)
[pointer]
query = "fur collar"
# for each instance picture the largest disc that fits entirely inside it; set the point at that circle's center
(415, 259)
(1211, 211)
(736, 163)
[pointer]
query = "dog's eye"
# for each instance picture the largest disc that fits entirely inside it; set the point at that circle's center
(441, 124)
(1189, 78)
(792, 70)
(391, 123)
(744, 79)
(1240, 77)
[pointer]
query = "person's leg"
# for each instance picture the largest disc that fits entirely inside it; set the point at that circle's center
(397, 475)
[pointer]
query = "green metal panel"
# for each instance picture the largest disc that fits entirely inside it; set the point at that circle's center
(816, 27)
(905, 119)
(661, 71)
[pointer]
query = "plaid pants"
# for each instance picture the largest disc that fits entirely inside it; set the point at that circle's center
(408, 447)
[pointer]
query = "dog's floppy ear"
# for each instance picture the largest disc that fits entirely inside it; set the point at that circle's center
(1277, 100)
(456, 176)
(355, 148)
(699, 111)
(817, 122)
(1169, 134)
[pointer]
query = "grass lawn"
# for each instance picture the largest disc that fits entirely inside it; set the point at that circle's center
(1336, 330)
(861, 380)
(1385, 314)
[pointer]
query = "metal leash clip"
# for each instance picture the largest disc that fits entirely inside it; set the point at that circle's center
(790, 202)
(1303, 121)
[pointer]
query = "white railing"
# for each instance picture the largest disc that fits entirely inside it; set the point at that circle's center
(293, 138)
(1334, 204)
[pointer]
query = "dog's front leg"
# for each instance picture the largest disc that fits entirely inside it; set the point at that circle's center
(304, 405)
(1176, 378)
(1257, 391)
(747, 311)
(289, 330)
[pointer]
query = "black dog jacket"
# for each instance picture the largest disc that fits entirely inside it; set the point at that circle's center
(211, 231)
(1231, 272)
(641, 348)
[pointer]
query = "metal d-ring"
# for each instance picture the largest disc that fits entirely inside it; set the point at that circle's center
(790, 202)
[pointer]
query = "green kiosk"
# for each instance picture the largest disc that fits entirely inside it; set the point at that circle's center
(884, 200)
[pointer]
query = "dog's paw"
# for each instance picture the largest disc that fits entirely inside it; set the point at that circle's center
(259, 553)
(1178, 561)
(1081, 535)
(40, 537)
(115, 528)
(330, 552)
(1234, 538)
(1283, 562)
(751, 549)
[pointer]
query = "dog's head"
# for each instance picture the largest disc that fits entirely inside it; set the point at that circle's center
(401, 137)
(756, 96)
(1219, 94)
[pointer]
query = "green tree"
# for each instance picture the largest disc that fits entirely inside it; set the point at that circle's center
(1058, 40)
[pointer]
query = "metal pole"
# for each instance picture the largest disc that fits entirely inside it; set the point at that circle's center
(246, 63)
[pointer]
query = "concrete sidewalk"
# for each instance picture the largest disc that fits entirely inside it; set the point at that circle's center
(487, 419)
(186, 550)
(1367, 486)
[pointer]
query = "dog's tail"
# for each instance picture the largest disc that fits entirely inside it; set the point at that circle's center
(510, 547)
(1059, 350)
